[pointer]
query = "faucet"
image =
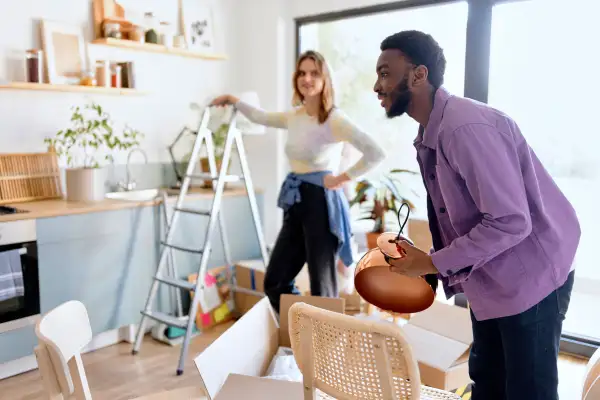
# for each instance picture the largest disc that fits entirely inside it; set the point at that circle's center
(130, 184)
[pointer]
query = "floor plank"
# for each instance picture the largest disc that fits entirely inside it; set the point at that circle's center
(114, 374)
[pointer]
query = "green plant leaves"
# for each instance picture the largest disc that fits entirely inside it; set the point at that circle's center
(92, 133)
(388, 192)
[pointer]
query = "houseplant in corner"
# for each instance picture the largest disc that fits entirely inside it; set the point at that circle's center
(86, 146)
(379, 200)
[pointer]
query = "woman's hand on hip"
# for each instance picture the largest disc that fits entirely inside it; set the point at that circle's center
(224, 100)
(335, 182)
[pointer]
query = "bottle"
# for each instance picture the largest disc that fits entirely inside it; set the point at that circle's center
(34, 64)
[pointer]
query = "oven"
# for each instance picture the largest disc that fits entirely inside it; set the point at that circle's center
(19, 277)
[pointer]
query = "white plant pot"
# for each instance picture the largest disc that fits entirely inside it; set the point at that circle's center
(86, 184)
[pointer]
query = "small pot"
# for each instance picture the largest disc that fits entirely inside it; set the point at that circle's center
(86, 184)
(205, 167)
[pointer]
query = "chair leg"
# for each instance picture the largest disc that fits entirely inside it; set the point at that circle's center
(310, 393)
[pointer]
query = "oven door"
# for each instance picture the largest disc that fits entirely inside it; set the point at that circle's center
(19, 283)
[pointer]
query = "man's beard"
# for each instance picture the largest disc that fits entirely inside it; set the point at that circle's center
(401, 98)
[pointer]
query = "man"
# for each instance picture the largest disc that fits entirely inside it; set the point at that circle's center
(503, 233)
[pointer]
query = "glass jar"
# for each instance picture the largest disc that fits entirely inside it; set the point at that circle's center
(166, 34)
(151, 29)
(137, 34)
(34, 66)
(112, 30)
(88, 78)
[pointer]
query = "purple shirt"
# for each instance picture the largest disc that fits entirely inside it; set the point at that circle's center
(509, 235)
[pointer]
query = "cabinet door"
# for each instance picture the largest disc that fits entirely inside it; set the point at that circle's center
(106, 263)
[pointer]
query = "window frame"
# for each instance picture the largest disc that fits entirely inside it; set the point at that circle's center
(476, 87)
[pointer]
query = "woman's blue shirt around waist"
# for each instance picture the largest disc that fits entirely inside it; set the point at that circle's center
(337, 207)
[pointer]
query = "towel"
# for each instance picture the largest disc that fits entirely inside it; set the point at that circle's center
(11, 275)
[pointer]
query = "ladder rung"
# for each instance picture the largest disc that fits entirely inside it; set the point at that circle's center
(192, 211)
(180, 283)
(206, 176)
(181, 248)
(170, 320)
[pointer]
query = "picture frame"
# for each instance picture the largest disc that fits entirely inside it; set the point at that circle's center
(197, 22)
(65, 52)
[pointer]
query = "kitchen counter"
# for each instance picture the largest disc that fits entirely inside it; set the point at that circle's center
(61, 207)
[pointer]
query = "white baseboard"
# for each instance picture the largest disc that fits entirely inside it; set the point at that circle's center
(109, 338)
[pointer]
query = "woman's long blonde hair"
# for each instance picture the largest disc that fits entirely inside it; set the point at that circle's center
(327, 95)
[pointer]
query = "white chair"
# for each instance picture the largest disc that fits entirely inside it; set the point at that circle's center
(63, 333)
(347, 358)
(591, 385)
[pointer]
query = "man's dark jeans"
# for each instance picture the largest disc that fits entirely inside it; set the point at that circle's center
(515, 358)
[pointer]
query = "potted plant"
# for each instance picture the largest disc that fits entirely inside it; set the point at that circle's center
(89, 141)
(377, 200)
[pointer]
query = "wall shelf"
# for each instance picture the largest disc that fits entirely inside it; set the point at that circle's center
(71, 88)
(157, 48)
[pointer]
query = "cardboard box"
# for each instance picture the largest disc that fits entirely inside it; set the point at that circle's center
(441, 338)
(250, 274)
(231, 368)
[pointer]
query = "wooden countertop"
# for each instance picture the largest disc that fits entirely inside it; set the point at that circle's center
(60, 207)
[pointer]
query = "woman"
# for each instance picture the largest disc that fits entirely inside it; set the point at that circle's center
(316, 224)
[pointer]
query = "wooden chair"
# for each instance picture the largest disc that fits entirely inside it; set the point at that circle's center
(347, 358)
(63, 333)
(591, 386)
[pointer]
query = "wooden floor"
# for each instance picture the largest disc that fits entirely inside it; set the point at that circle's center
(114, 374)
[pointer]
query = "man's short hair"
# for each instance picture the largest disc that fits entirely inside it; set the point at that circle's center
(421, 49)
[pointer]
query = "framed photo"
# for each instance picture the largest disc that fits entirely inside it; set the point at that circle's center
(197, 22)
(65, 52)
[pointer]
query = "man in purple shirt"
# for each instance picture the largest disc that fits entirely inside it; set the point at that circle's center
(503, 232)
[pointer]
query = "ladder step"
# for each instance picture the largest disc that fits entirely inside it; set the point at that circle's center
(181, 248)
(207, 176)
(192, 211)
(180, 283)
(167, 319)
(247, 291)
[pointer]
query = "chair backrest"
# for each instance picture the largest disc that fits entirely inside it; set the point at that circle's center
(63, 333)
(350, 358)
(591, 385)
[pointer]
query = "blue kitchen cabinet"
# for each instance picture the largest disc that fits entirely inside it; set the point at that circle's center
(107, 259)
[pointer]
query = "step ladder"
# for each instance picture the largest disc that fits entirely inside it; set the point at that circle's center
(166, 272)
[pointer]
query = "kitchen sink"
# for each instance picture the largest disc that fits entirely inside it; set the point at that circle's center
(134, 195)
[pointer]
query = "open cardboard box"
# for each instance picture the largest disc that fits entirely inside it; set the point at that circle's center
(231, 368)
(250, 274)
(441, 338)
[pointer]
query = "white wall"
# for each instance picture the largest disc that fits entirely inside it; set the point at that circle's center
(258, 36)
(263, 61)
(173, 82)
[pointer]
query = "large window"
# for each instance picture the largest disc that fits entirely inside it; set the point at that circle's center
(544, 75)
(533, 59)
(351, 47)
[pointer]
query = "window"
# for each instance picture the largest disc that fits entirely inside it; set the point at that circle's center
(544, 76)
(541, 71)
(351, 47)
